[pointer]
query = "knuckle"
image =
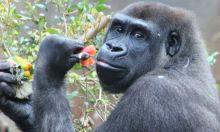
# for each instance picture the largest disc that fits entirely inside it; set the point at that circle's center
(3, 75)
(2, 84)
(78, 42)
(73, 42)
(52, 39)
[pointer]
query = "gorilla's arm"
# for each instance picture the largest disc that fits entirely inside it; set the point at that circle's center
(19, 111)
(156, 103)
(48, 108)
(56, 57)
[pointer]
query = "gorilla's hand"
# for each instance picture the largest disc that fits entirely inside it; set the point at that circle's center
(18, 110)
(57, 55)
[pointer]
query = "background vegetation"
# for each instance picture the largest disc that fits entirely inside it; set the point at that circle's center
(23, 26)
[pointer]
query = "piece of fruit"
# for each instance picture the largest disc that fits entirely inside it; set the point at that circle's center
(27, 74)
(25, 65)
(91, 50)
(89, 61)
(30, 66)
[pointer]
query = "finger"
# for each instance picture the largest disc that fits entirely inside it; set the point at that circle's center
(77, 49)
(75, 45)
(83, 56)
(5, 66)
(6, 77)
(74, 58)
(15, 108)
(7, 90)
(80, 56)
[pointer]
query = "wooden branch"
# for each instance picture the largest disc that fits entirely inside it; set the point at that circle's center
(94, 31)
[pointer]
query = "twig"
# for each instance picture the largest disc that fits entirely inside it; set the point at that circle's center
(93, 31)
(100, 93)
(105, 115)
(65, 24)
(6, 50)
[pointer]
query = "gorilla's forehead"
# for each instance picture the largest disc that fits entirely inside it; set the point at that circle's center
(158, 13)
(123, 18)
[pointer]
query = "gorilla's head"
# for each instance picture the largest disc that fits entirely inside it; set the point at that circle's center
(140, 38)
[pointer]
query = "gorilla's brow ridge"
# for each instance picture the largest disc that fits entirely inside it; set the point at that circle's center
(134, 21)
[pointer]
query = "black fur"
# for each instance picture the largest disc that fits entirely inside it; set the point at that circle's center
(152, 53)
(55, 58)
(165, 77)
(20, 111)
(48, 109)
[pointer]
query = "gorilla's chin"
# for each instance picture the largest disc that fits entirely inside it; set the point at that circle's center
(110, 77)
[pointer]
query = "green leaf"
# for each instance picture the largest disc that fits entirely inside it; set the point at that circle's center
(53, 30)
(101, 1)
(72, 95)
(101, 7)
(22, 17)
(89, 110)
(93, 74)
(212, 58)
(12, 11)
(77, 66)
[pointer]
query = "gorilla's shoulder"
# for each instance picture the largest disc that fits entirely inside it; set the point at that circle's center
(159, 83)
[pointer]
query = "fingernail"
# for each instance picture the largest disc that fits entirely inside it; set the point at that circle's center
(83, 56)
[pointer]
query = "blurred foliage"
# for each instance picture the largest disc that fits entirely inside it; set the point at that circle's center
(212, 58)
(23, 25)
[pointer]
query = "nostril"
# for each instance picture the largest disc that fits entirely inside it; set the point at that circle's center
(117, 49)
(114, 48)
(109, 46)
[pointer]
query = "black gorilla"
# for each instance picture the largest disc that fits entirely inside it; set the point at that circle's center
(153, 54)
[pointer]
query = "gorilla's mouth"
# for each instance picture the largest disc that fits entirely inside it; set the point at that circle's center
(109, 66)
(109, 73)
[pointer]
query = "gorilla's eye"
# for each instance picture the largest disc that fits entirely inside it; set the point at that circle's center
(118, 29)
(138, 35)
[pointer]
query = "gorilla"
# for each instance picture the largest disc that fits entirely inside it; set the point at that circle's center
(152, 53)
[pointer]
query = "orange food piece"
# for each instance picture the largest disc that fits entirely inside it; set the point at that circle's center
(26, 67)
(88, 62)
(30, 66)
(27, 73)
(91, 50)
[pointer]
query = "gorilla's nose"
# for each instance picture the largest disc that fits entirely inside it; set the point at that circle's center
(116, 50)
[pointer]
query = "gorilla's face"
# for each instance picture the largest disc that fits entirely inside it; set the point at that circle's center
(127, 53)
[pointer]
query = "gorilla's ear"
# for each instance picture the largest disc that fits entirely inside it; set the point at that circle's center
(173, 43)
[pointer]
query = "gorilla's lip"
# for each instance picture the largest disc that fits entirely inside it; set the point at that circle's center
(107, 65)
